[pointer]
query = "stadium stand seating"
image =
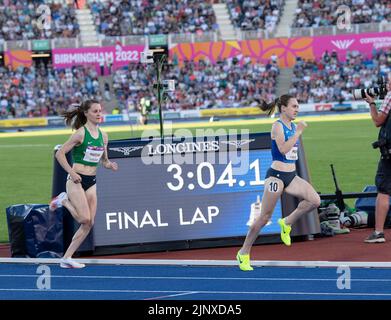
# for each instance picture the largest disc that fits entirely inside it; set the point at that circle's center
(20, 19)
(229, 83)
(44, 91)
(41, 91)
(324, 12)
(114, 17)
(332, 80)
(255, 14)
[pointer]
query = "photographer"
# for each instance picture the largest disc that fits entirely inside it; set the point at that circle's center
(383, 176)
(145, 108)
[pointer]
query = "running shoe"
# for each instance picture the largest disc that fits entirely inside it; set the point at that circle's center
(285, 232)
(57, 201)
(375, 238)
(244, 262)
(71, 264)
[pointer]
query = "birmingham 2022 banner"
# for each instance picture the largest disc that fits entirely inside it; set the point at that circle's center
(118, 55)
(286, 49)
(259, 50)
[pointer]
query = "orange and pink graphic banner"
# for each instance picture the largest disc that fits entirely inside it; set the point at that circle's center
(286, 49)
(18, 58)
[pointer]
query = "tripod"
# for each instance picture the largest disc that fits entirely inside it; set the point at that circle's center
(159, 61)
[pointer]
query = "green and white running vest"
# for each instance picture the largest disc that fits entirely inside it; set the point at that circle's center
(90, 151)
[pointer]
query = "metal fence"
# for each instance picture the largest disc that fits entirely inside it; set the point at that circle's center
(134, 40)
(17, 45)
(211, 36)
(111, 41)
(333, 30)
(65, 43)
(124, 40)
(254, 34)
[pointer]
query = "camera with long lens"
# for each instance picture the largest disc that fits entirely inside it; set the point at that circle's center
(356, 219)
(380, 91)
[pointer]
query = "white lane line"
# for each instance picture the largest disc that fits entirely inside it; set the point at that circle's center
(189, 278)
(172, 295)
(25, 145)
(174, 262)
(371, 294)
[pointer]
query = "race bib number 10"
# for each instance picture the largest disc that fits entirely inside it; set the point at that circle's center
(292, 154)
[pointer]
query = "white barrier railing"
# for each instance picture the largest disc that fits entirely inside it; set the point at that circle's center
(333, 30)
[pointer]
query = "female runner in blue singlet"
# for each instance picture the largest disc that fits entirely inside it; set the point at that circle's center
(281, 177)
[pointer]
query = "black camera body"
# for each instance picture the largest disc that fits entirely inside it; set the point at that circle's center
(379, 143)
(380, 91)
(384, 140)
(384, 148)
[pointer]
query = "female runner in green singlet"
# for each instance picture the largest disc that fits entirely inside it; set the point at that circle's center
(89, 146)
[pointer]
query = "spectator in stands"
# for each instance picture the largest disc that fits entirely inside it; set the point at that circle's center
(109, 63)
(102, 65)
(107, 92)
(115, 111)
(76, 4)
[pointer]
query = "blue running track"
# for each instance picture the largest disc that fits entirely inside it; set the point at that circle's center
(95, 282)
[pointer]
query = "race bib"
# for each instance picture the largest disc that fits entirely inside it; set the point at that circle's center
(292, 154)
(93, 154)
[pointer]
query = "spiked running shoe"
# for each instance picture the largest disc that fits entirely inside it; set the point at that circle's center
(244, 262)
(285, 232)
(57, 201)
(71, 264)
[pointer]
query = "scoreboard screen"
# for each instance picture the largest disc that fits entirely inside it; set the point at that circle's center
(183, 189)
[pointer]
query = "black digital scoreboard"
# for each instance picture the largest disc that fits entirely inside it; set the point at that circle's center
(187, 192)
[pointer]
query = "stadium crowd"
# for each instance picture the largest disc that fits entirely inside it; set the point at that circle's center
(20, 20)
(43, 91)
(255, 14)
(320, 13)
(117, 17)
(228, 83)
(333, 80)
